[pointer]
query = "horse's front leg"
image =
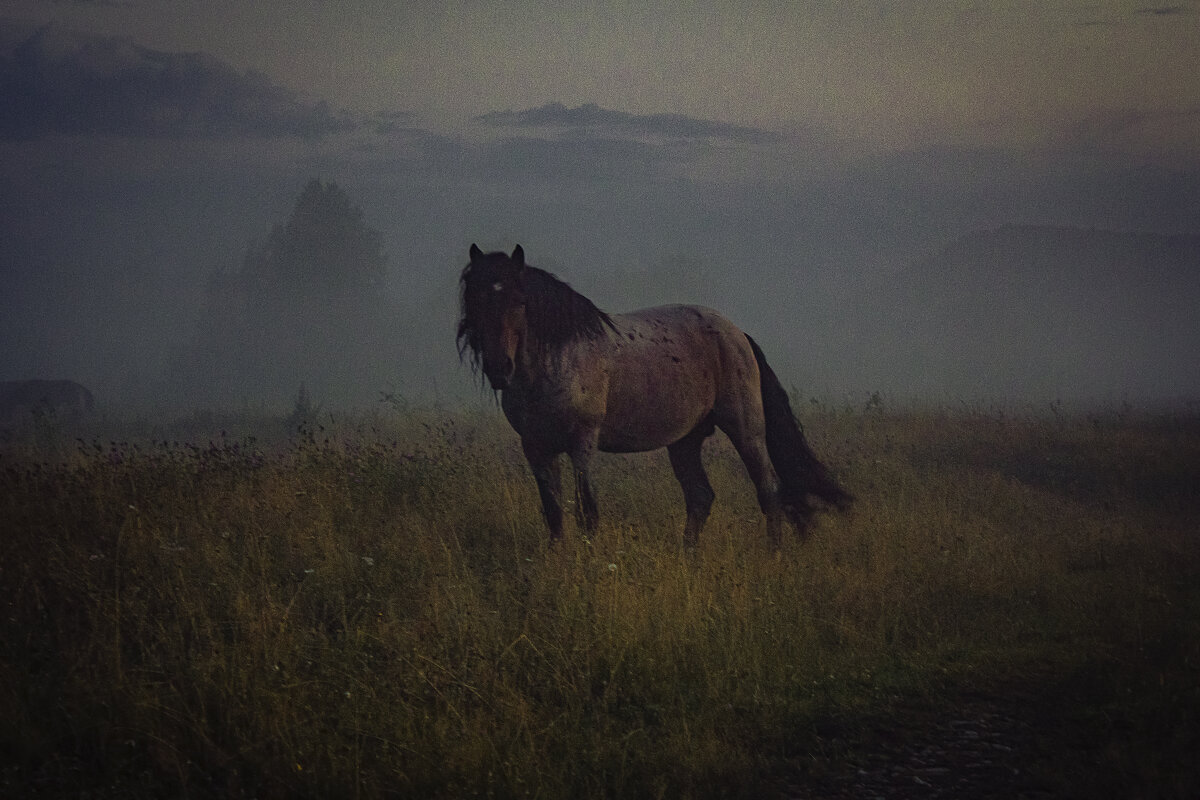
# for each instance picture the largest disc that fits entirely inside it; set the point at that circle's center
(587, 511)
(546, 472)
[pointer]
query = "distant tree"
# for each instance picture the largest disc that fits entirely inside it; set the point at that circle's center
(308, 306)
(325, 249)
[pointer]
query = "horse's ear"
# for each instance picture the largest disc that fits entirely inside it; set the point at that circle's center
(476, 253)
(518, 257)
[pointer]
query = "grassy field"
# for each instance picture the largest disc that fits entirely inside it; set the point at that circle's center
(368, 607)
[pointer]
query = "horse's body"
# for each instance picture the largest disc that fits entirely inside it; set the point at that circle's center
(647, 383)
(575, 380)
(65, 398)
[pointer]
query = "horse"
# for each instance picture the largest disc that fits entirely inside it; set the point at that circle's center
(66, 399)
(574, 379)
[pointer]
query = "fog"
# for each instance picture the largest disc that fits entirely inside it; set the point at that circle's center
(940, 273)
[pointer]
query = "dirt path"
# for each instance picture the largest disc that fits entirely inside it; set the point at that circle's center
(1100, 730)
(980, 752)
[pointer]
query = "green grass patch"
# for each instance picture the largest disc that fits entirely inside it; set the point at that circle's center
(369, 607)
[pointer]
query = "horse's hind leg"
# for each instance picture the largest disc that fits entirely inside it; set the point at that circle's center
(748, 435)
(689, 470)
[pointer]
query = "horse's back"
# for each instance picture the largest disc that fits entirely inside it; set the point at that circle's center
(671, 367)
(687, 340)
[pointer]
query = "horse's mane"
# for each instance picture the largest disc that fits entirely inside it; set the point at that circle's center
(555, 313)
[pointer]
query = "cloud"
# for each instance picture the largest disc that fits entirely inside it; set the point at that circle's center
(1163, 11)
(386, 122)
(592, 119)
(1096, 15)
(573, 160)
(60, 81)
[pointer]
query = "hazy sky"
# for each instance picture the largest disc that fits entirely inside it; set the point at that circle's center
(893, 74)
(647, 152)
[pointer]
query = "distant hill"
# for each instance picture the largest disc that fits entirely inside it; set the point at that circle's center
(1039, 313)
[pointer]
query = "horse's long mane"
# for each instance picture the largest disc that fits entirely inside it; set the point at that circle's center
(557, 314)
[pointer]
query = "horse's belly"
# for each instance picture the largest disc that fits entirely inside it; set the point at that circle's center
(656, 404)
(623, 434)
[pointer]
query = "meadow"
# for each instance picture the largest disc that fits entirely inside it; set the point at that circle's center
(368, 607)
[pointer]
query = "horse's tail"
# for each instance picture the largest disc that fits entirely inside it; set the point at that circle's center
(800, 473)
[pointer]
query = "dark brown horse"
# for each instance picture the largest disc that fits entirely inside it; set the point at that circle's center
(573, 379)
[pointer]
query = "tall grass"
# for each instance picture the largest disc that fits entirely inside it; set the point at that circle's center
(371, 609)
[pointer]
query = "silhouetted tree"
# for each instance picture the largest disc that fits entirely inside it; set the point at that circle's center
(325, 249)
(307, 306)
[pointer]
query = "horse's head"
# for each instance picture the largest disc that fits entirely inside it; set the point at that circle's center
(493, 323)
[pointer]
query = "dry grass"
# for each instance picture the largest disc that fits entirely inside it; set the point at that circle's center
(373, 610)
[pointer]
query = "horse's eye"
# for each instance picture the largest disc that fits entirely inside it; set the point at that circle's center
(497, 287)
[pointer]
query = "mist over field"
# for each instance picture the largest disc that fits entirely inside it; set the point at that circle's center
(263, 534)
(152, 245)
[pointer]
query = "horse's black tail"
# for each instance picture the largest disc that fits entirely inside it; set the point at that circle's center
(800, 473)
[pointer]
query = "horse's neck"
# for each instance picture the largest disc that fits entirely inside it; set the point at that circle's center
(545, 371)
(534, 364)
